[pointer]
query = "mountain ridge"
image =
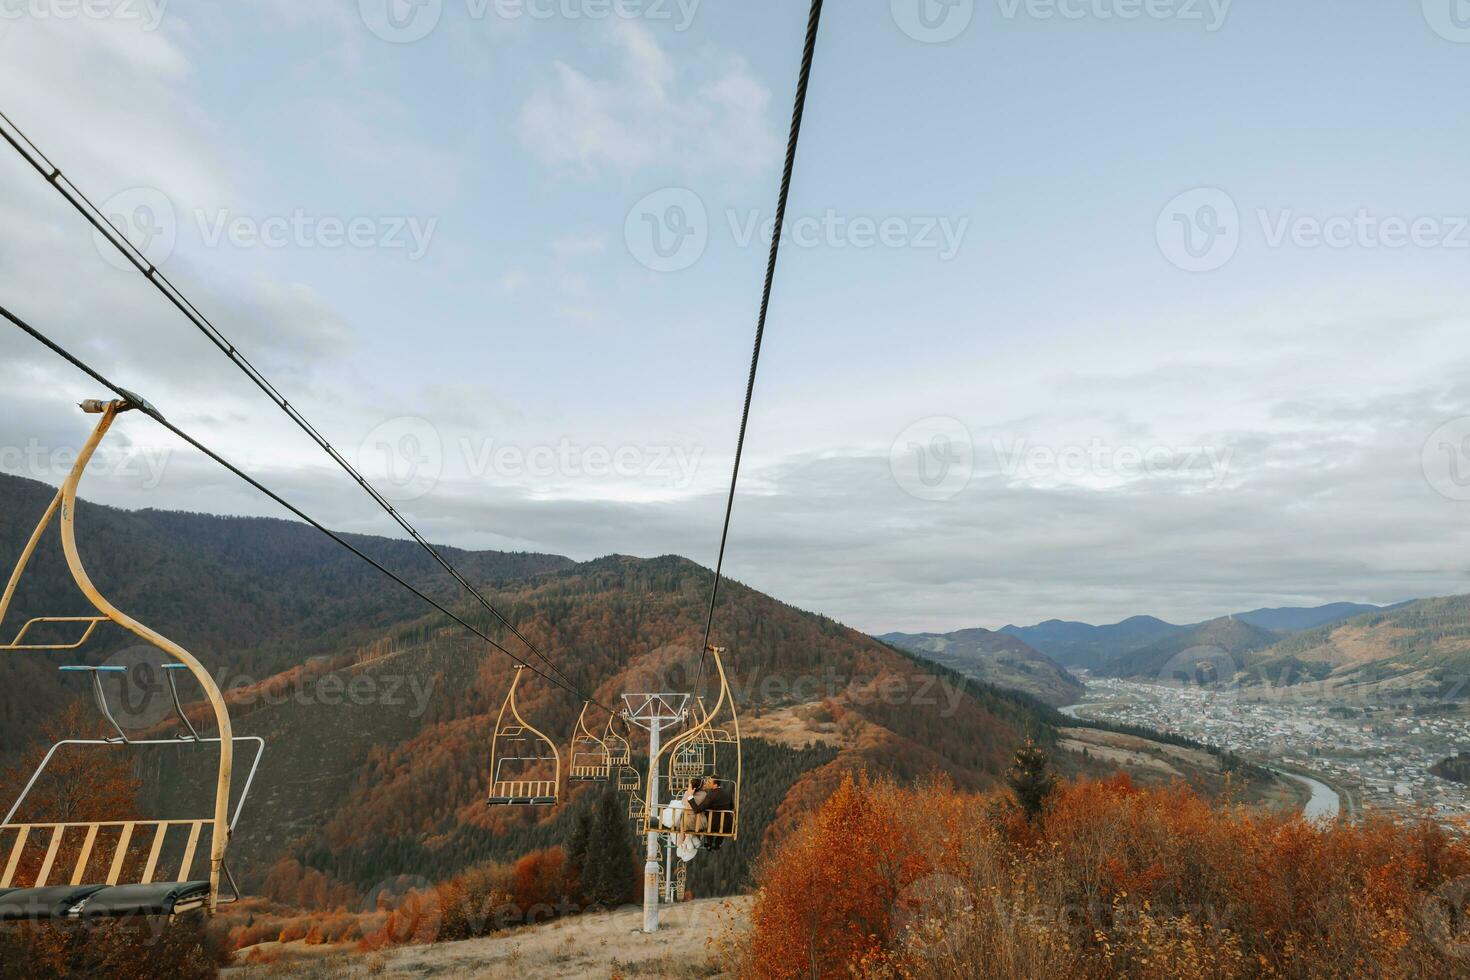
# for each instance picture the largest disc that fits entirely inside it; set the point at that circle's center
(995, 658)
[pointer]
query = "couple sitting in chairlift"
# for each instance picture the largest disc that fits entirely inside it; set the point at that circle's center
(691, 815)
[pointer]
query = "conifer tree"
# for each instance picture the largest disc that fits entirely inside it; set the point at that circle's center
(577, 849)
(609, 866)
(1031, 779)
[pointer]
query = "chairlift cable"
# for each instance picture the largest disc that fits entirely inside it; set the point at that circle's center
(78, 199)
(157, 416)
(808, 54)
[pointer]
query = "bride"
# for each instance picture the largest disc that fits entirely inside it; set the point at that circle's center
(678, 814)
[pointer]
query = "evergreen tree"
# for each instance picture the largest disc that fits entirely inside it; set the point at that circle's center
(610, 868)
(1031, 779)
(576, 847)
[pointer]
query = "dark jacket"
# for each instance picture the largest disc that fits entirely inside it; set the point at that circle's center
(718, 798)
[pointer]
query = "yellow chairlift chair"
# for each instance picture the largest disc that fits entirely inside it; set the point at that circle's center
(718, 733)
(525, 766)
(118, 867)
(590, 760)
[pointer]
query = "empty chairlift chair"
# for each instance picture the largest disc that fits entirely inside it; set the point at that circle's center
(525, 766)
(123, 866)
(590, 760)
(696, 757)
(619, 752)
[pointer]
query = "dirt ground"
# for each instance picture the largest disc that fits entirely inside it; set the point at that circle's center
(601, 945)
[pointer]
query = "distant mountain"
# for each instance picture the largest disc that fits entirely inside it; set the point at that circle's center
(1291, 620)
(995, 658)
(1220, 646)
(1094, 647)
(1418, 647)
(1084, 645)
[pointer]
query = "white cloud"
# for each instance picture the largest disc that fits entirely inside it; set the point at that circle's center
(648, 110)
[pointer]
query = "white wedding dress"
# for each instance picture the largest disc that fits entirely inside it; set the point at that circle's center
(685, 845)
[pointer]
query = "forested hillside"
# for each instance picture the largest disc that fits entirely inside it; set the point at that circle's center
(365, 791)
(996, 658)
(250, 596)
(1225, 642)
(378, 716)
(1423, 646)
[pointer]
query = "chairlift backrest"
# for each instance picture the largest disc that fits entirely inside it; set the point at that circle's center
(525, 766)
(115, 892)
(619, 751)
(590, 760)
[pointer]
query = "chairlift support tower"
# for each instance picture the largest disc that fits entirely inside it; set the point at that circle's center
(653, 713)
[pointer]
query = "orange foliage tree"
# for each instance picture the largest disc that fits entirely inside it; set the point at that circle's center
(1108, 880)
(836, 890)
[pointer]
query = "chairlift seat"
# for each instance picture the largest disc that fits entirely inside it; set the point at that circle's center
(50, 902)
(532, 793)
(159, 898)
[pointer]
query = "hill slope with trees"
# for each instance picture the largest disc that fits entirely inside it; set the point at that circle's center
(995, 658)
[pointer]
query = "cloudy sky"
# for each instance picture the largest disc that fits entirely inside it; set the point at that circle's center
(1090, 307)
